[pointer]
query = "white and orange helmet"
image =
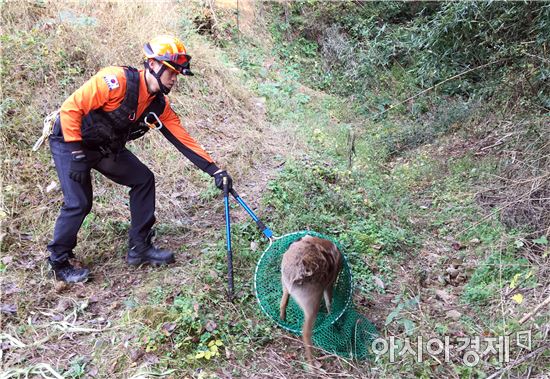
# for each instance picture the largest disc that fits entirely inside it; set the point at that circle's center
(170, 51)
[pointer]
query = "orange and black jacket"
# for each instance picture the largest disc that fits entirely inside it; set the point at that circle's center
(107, 92)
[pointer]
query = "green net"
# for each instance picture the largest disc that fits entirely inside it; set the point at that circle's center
(342, 331)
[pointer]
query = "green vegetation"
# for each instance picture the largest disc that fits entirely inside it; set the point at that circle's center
(440, 202)
(492, 275)
(401, 45)
(416, 174)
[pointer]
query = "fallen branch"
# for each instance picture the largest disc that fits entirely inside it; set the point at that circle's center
(499, 142)
(211, 5)
(41, 369)
(520, 360)
(524, 197)
(537, 308)
(437, 85)
(147, 373)
(536, 56)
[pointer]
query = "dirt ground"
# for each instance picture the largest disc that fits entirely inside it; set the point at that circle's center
(47, 324)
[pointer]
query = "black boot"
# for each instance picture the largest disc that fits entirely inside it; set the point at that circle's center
(142, 252)
(66, 272)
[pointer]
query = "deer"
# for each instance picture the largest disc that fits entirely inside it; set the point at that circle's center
(309, 270)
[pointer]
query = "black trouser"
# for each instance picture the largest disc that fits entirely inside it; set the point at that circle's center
(126, 169)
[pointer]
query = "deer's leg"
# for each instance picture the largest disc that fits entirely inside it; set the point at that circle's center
(310, 307)
(328, 297)
(284, 303)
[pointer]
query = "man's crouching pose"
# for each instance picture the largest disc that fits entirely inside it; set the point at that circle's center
(116, 105)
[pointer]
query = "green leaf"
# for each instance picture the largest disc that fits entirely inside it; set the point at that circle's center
(393, 315)
(412, 302)
(514, 281)
(541, 240)
(409, 326)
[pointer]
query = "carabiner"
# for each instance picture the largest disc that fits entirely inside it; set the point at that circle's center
(152, 125)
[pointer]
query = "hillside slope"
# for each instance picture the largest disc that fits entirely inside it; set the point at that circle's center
(441, 203)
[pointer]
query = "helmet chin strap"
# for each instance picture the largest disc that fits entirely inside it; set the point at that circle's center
(156, 75)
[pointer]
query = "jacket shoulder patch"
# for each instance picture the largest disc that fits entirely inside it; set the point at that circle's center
(112, 82)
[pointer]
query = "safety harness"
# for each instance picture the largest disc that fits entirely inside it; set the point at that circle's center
(108, 132)
(157, 75)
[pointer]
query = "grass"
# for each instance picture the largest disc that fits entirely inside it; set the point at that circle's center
(402, 195)
(405, 209)
(72, 54)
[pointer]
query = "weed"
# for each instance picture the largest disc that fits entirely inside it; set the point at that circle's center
(395, 314)
(77, 368)
(498, 271)
(386, 187)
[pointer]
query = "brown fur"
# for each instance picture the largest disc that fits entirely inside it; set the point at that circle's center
(309, 270)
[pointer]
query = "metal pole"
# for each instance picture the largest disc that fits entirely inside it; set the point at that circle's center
(228, 236)
(265, 230)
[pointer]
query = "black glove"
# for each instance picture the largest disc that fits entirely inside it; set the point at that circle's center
(218, 180)
(79, 170)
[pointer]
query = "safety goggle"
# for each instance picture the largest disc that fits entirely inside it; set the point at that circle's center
(179, 59)
(184, 69)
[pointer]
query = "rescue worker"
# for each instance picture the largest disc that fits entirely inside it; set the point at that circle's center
(116, 105)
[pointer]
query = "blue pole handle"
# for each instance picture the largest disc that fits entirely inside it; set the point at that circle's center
(228, 234)
(265, 230)
(227, 223)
